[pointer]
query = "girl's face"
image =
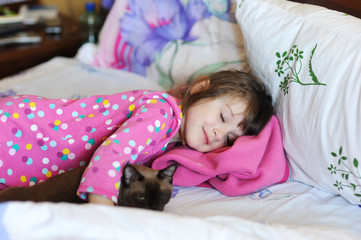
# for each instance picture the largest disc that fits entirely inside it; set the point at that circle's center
(213, 123)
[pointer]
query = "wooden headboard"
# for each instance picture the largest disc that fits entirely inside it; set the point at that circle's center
(352, 7)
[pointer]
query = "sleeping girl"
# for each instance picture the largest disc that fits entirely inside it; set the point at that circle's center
(44, 137)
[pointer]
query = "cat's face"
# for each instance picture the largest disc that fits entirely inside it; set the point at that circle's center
(143, 187)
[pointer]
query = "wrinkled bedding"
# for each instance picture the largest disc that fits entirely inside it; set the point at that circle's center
(290, 210)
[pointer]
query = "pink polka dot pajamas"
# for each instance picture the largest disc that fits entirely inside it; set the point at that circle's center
(41, 137)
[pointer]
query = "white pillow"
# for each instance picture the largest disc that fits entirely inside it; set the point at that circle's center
(317, 95)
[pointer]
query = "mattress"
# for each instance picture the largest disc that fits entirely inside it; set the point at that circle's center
(291, 210)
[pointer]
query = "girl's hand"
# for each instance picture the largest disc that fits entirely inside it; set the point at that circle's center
(94, 198)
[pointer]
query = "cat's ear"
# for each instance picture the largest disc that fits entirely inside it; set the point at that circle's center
(168, 172)
(130, 175)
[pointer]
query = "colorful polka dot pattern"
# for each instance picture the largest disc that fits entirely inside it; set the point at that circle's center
(43, 137)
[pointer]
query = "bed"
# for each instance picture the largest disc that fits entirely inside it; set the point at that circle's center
(307, 55)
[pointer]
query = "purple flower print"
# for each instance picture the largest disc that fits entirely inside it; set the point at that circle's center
(149, 25)
(7, 93)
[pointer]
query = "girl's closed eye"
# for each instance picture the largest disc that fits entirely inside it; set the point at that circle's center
(222, 117)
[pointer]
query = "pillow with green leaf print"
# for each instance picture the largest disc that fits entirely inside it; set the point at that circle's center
(171, 40)
(310, 58)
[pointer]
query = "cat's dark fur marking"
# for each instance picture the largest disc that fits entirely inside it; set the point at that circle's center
(141, 187)
(61, 188)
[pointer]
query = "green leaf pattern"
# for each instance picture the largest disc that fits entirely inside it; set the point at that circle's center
(289, 66)
(342, 169)
(240, 4)
(165, 77)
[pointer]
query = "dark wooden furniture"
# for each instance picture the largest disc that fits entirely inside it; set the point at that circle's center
(352, 7)
(15, 58)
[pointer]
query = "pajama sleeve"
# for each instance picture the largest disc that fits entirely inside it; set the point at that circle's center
(144, 135)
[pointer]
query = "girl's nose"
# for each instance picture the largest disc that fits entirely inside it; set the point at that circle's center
(218, 134)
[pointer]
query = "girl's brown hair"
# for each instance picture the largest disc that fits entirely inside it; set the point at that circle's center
(234, 83)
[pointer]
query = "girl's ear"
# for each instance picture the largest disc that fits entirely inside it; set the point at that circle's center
(200, 85)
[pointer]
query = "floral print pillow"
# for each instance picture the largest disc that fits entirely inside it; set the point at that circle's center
(171, 40)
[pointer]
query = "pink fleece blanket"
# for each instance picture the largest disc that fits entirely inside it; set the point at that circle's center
(252, 163)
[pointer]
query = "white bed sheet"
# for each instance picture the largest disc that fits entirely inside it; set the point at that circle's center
(68, 78)
(286, 211)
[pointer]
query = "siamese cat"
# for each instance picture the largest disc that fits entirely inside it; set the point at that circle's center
(141, 187)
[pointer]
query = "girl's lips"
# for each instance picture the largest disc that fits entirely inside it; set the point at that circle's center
(206, 140)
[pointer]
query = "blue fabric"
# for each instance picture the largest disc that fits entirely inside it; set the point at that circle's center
(3, 231)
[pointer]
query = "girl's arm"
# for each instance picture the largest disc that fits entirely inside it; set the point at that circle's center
(94, 198)
(143, 136)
